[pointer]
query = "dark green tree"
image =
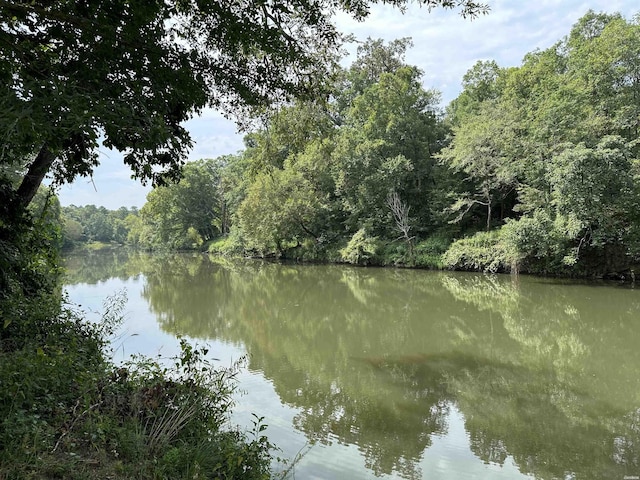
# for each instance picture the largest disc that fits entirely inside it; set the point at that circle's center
(386, 144)
(562, 132)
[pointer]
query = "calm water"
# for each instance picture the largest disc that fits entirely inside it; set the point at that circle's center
(397, 373)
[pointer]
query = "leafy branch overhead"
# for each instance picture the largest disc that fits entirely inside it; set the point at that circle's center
(132, 71)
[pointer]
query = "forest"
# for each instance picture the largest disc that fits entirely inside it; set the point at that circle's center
(530, 169)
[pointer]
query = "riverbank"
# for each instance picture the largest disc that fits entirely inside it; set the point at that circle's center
(486, 252)
(68, 411)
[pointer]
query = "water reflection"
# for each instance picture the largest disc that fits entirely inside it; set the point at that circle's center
(544, 372)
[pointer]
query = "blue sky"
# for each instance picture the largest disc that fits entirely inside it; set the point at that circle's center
(445, 47)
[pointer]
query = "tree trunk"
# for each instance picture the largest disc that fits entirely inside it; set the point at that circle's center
(489, 215)
(32, 180)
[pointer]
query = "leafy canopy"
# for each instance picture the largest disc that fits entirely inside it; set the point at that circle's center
(132, 71)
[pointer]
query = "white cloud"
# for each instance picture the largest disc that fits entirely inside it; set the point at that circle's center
(213, 136)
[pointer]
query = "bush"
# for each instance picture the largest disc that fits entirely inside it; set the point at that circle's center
(51, 368)
(362, 250)
(395, 253)
(428, 253)
(483, 251)
(230, 245)
(175, 418)
(546, 246)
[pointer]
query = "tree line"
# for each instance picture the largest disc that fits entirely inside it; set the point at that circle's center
(531, 168)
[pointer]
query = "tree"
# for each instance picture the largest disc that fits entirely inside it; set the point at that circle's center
(482, 151)
(99, 227)
(132, 71)
(480, 84)
(72, 232)
(603, 58)
(322, 171)
(562, 130)
(280, 211)
(373, 59)
(289, 196)
(386, 143)
(593, 194)
(185, 213)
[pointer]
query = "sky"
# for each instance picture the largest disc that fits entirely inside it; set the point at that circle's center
(445, 47)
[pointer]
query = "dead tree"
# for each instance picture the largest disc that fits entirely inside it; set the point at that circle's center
(400, 211)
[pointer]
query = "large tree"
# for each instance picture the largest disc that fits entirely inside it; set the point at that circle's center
(385, 145)
(185, 213)
(132, 71)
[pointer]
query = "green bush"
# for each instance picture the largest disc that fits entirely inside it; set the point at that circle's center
(428, 253)
(52, 367)
(230, 245)
(175, 418)
(483, 251)
(362, 250)
(395, 253)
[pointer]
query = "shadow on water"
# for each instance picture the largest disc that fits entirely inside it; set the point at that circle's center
(543, 372)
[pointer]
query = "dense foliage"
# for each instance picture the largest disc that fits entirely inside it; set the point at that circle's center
(318, 173)
(95, 224)
(554, 145)
(132, 72)
(532, 168)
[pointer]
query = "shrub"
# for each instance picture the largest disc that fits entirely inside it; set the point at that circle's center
(178, 415)
(482, 251)
(428, 253)
(395, 253)
(361, 249)
(229, 245)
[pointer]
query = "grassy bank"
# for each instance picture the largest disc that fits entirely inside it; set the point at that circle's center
(359, 250)
(68, 412)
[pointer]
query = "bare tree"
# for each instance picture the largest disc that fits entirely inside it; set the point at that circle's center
(400, 211)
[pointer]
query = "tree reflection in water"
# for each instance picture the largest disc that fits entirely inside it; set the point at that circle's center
(542, 371)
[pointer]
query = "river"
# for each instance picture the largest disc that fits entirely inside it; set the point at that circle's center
(390, 373)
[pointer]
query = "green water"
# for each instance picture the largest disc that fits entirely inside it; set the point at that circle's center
(398, 373)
